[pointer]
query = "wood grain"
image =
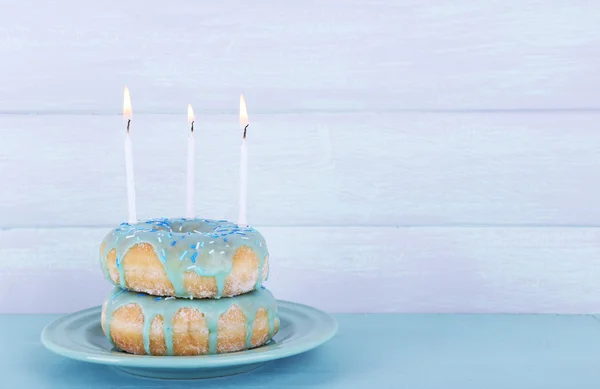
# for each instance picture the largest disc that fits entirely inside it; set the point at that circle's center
(368, 115)
(303, 56)
(346, 269)
(317, 169)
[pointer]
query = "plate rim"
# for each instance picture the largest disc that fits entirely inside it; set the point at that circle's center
(324, 333)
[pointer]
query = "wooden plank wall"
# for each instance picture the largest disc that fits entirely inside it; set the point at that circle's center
(404, 156)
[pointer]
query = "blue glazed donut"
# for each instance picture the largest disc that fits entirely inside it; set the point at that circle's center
(142, 324)
(195, 258)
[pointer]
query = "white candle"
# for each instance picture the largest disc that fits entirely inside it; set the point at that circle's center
(191, 159)
(242, 220)
(129, 158)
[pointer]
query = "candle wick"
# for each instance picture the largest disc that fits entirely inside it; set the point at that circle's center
(128, 123)
(192, 129)
(245, 128)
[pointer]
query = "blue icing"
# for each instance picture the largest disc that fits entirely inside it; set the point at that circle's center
(212, 309)
(205, 250)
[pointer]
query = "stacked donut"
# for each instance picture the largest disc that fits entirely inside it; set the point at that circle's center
(187, 287)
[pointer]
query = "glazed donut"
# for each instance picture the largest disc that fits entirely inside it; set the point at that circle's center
(197, 258)
(142, 324)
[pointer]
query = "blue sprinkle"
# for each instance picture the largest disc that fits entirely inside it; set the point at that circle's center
(202, 244)
(164, 255)
(170, 235)
(223, 234)
(215, 235)
(173, 243)
(194, 257)
(222, 220)
(192, 246)
(118, 261)
(183, 255)
(262, 287)
(158, 298)
(183, 237)
(141, 294)
(225, 240)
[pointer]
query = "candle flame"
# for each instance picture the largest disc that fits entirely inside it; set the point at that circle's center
(126, 104)
(191, 116)
(243, 113)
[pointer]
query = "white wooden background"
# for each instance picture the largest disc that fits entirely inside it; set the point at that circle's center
(404, 155)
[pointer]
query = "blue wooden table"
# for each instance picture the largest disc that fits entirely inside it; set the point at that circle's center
(370, 351)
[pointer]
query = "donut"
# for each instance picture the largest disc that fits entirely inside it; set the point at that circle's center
(138, 323)
(197, 258)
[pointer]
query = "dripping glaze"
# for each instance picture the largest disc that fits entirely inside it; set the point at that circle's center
(212, 309)
(204, 246)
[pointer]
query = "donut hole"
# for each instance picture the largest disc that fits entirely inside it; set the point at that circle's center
(185, 226)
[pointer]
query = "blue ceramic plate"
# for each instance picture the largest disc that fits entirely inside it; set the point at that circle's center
(79, 336)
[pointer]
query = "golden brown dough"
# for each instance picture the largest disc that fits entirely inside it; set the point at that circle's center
(190, 330)
(145, 273)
